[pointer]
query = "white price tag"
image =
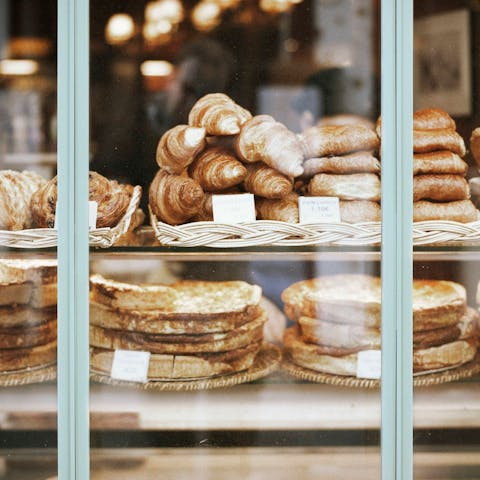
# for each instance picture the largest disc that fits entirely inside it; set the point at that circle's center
(319, 209)
(369, 364)
(233, 208)
(130, 365)
(92, 215)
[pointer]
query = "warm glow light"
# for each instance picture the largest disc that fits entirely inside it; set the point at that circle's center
(18, 67)
(120, 28)
(170, 10)
(223, 4)
(152, 31)
(156, 68)
(206, 15)
(278, 6)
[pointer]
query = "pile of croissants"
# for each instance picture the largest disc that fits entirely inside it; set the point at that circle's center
(225, 150)
(27, 200)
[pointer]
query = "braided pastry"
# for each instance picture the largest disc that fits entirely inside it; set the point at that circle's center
(217, 169)
(218, 114)
(112, 199)
(174, 199)
(16, 190)
(179, 146)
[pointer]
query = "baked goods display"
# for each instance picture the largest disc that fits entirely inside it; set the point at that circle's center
(336, 317)
(28, 316)
(193, 329)
(440, 190)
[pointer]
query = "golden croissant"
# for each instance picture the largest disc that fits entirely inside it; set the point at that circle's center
(16, 190)
(216, 169)
(282, 210)
(174, 199)
(112, 200)
(179, 146)
(266, 182)
(262, 139)
(218, 114)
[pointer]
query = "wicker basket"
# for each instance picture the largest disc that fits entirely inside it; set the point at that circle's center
(267, 232)
(47, 237)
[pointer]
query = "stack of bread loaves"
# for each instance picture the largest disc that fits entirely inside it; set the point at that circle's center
(339, 316)
(192, 329)
(223, 149)
(440, 191)
(28, 317)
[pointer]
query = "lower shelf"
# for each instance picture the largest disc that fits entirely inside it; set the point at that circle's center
(274, 405)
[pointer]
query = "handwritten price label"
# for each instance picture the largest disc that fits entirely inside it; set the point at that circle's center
(369, 364)
(233, 208)
(319, 209)
(131, 366)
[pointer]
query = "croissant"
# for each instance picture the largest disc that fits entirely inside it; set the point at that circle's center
(262, 139)
(266, 182)
(337, 140)
(179, 146)
(216, 169)
(16, 190)
(112, 201)
(218, 114)
(174, 199)
(283, 209)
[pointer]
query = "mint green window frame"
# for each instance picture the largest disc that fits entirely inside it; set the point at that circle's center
(73, 252)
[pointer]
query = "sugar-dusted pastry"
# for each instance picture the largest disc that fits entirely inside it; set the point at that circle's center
(443, 188)
(218, 114)
(174, 199)
(434, 140)
(357, 162)
(283, 209)
(337, 140)
(462, 211)
(475, 145)
(217, 169)
(358, 186)
(262, 139)
(442, 161)
(112, 199)
(179, 146)
(360, 211)
(266, 182)
(16, 190)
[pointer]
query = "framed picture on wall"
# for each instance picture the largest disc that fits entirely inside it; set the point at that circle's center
(442, 67)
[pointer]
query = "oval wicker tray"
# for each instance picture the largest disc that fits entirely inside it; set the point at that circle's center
(419, 380)
(40, 374)
(268, 232)
(266, 362)
(47, 237)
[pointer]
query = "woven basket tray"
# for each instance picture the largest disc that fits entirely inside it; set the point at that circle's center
(419, 380)
(47, 237)
(268, 232)
(44, 373)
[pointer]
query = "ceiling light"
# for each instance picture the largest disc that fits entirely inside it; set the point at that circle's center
(206, 15)
(156, 68)
(18, 67)
(170, 10)
(120, 28)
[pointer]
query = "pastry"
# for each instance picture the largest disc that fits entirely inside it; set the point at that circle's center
(262, 139)
(23, 316)
(28, 336)
(462, 211)
(425, 141)
(282, 210)
(443, 188)
(357, 162)
(21, 358)
(428, 119)
(357, 186)
(475, 145)
(439, 162)
(216, 169)
(174, 199)
(360, 211)
(33, 295)
(23, 270)
(179, 146)
(112, 199)
(16, 190)
(266, 182)
(218, 114)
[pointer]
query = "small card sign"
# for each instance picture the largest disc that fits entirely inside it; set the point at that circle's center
(92, 215)
(233, 208)
(131, 366)
(369, 364)
(319, 209)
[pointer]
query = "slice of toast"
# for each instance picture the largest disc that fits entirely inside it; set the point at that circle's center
(185, 367)
(186, 300)
(37, 271)
(155, 321)
(21, 358)
(31, 294)
(30, 336)
(209, 343)
(23, 317)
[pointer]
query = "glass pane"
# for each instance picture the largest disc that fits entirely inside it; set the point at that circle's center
(28, 272)
(446, 410)
(216, 400)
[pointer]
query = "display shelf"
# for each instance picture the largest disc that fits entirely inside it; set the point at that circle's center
(268, 405)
